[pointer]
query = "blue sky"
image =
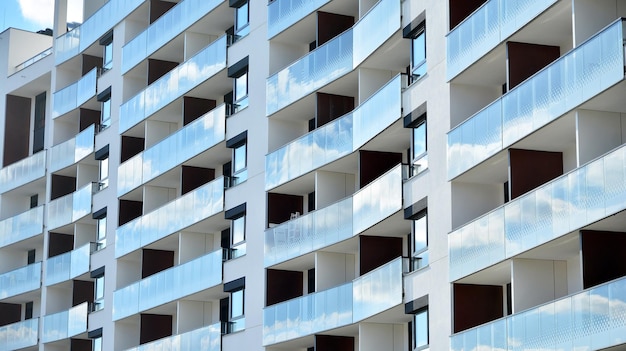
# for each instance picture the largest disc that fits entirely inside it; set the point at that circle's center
(31, 15)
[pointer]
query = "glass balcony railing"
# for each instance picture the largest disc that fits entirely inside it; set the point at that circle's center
(19, 335)
(336, 139)
(21, 280)
(73, 150)
(70, 208)
(23, 172)
(68, 265)
(592, 320)
(23, 226)
(568, 82)
(174, 84)
(191, 208)
(65, 324)
(169, 285)
(346, 304)
(487, 27)
(570, 202)
(80, 38)
(282, 14)
(206, 338)
(337, 222)
(74, 95)
(334, 58)
(164, 29)
(186, 143)
(33, 59)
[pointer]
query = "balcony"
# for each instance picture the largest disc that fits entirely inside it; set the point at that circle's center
(337, 222)
(19, 335)
(21, 227)
(364, 297)
(576, 77)
(23, 172)
(186, 143)
(76, 94)
(592, 319)
(203, 339)
(68, 265)
(282, 14)
(169, 285)
(165, 29)
(189, 209)
(32, 60)
(80, 38)
(72, 151)
(570, 202)
(21, 280)
(65, 324)
(174, 84)
(70, 208)
(334, 58)
(487, 27)
(335, 139)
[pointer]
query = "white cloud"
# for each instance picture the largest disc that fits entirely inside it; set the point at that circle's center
(38, 11)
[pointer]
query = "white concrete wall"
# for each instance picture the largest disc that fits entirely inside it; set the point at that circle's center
(590, 16)
(597, 132)
(378, 336)
(331, 187)
(483, 197)
(537, 281)
(333, 269)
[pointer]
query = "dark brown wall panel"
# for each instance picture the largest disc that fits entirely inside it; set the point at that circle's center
(373, 164)
(334, 343)
(476, 304)
(158, 8)
(329, 25)
(460, 9)
(530, 169)
(525, 59)
(80, 345)
(377, 250)
(17, 129)
(281, 206)
(196, 107)
(283, 285)
(193, 177)
(83, 292)
(88, 117)
(61, 186)
(604, 256)
(154, 261)
(129, 210)
(330, 106)
(10, 313)
(89, 62)
(131, 146)
(158, 68)
(60, 244)
(154, 327)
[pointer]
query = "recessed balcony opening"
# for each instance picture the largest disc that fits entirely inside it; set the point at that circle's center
(154, 261)
(283, 285)
(130, 147)
(154, 327)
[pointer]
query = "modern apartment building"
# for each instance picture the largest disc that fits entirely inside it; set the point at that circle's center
(301, 175)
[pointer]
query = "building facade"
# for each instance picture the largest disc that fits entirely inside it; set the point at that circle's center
(315, 175)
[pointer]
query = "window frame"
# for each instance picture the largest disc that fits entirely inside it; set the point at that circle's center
(414, 330)
(98, 286)
(242, 29)
(419, 68)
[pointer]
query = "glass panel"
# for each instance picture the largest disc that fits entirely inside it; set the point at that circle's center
(74, 95)
(238, 230)
(65, 324)
(186, 143)
(539, 100)
(236, 304)
(168, 285)
(174, 84)
(20, 280)
(70, 208)
(19, 335)
(23, 226)
(283, 14)
(23, 172)
(203, 339)
(72, 151)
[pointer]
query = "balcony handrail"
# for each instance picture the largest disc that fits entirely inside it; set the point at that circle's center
(79, 79)
(340, 118)
(20, 268)
(39, 56)
(544, 304)
(522, 83)
(399, 165)
(546, 184)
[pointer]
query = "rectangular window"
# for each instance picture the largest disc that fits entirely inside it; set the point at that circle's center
(97, 344)
(420, 240)
(240, 98)
(238, 237)
(98, 301)
(418, 54)
(101, 234)
(240, 166)
(236, 313)
(242, 20)
(419, 147)
(105, 118)
(420, 329)
(104, 173)
(107, 57)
